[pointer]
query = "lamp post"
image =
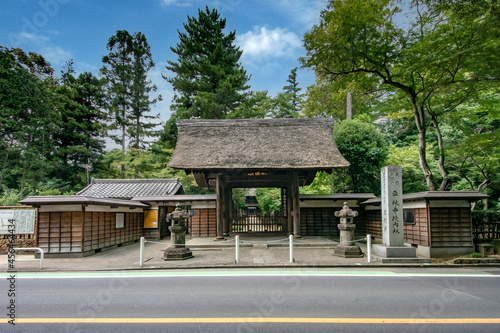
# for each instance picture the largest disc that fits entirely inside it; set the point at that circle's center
(347, 249)
(177, 249)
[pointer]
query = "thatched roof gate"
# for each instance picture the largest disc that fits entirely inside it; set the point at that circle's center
(284, 153)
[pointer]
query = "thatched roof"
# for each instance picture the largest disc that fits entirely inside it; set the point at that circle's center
(256, 144)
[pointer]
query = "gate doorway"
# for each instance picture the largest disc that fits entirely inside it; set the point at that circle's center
(258, 211)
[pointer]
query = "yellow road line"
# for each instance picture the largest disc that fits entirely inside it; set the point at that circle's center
(255, 320)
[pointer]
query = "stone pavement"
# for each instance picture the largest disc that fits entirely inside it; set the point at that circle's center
(255, 252)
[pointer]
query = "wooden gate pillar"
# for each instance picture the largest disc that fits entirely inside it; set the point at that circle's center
(227, 209)
(284, 209)
(289, 209)
(296, 204)
(220, 206)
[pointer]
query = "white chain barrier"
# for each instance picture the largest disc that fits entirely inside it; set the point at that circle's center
(237, 242)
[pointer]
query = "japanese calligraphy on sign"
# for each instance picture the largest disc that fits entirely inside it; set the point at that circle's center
(392, 206)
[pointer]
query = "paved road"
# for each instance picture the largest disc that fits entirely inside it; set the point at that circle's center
(256, 301)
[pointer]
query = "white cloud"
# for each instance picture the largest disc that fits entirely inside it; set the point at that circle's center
(55, 54)
(183, 3)
(263, 43)
(304, 11)
(26, 37)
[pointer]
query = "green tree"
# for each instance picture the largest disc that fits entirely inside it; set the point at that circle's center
(326, 98)
(142, 125)
(79, 140)
(366, 150)
(269, 199)
(475, 136)
(117, 71)
(28, 119)
(208, 80)
(439, 48)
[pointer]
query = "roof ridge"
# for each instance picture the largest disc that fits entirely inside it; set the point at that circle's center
(136, 180)
(255, 122)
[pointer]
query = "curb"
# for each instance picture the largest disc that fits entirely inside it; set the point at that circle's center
(276, 266)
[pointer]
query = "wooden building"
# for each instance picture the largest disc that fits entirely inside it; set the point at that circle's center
(99, 217)
(77, 226)
(437, 223)
(317, 212)
(202, 209)
(253, 153)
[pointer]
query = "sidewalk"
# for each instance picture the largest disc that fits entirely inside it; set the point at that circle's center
(255, 252)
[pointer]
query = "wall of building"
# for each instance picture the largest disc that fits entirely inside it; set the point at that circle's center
(451, 227)
(319, 222)
(64, 233)
(203, 223)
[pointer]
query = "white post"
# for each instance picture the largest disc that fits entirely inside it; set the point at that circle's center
(369, 247)
(291, 249)
(237, 247)
(41, 258)
(141, 252)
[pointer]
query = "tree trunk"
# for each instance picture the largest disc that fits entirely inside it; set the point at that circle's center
(418, 110)
(446, 180)
(123, 142)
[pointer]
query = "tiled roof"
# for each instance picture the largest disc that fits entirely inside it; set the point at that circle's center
(178, 197)
(78, 199)
(338, 196)
(437, 195)
(129, 188)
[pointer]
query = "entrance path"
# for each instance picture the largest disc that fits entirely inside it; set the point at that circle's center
(254, 252)
(262, 255)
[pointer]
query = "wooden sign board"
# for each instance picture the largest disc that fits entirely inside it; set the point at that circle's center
(151, 219)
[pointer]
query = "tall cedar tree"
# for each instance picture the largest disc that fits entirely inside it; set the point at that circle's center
(82, 125)
(293, 90)
(125, 69)
(142, 125)
(288, 102)
(27, 118)
(209, 82)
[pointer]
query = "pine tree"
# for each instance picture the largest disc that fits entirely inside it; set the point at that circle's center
(79, 140)
(141, 103)
(209, 82)
(117, 70)
(294, 91)
(125, 69)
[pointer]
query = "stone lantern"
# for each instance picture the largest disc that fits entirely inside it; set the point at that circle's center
(347, 249)
(177, 249)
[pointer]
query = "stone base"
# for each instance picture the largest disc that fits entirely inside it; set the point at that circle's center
(177, 253)
(386, 251)
(394, 260)
(347, 251)
(486, 249)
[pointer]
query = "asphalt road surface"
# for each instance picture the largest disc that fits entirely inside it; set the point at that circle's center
(253, 301)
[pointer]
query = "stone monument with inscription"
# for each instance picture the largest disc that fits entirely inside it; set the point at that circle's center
(392, 217)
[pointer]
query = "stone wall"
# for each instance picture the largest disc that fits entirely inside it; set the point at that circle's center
(21, 241)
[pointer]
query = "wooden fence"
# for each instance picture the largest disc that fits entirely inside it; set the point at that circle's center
(485, 225)
(243, 221)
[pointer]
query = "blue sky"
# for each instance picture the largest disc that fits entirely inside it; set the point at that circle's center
(269, 33)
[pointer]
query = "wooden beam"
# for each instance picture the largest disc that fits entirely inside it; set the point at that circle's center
(227, 206)
(200, 179)
(220, 207)
(296, 205)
